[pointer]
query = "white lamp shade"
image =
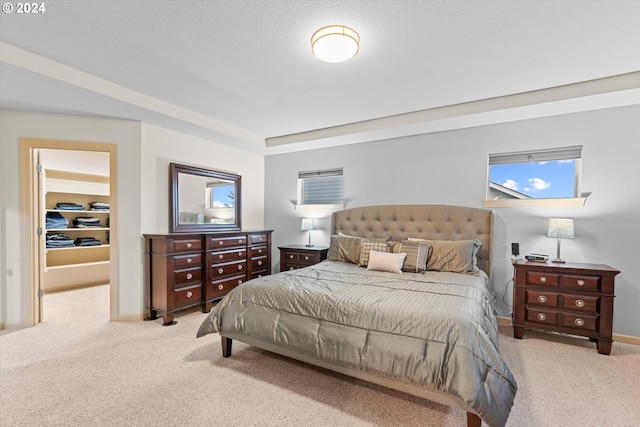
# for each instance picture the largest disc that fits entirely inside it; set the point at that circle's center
(309, 224)
(335, 43)
(561, 228)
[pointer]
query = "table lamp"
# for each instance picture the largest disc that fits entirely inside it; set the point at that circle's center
(560, 228)
(309, 224)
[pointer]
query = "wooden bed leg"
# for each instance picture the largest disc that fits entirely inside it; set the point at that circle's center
(226, 346)
(473, 420)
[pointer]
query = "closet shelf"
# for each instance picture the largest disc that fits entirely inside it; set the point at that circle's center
(60, 230)
(71, 248)
(83, 264)
(77, 211)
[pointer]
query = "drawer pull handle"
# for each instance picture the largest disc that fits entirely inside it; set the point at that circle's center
(239, 281)
(189, 294)
(259, 251)
(220, 243)
(220, 270)
(291, 268)
(580, 282)
(220, 287)
(306, 258)
(259, 262)
(189, 276)
(542, 316)
(259, 275)
(542, 299)
(188, 260)
(239, 266)
(579, 322)
(290, 256)
(240, 241)
(543, 279)
(220, 256)
(240, 254)
(579, 303)
(188, 245)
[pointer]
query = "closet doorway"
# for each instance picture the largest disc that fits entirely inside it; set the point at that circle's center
(70, 195)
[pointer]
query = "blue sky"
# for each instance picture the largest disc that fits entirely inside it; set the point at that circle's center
(537, 179)
(221, 194)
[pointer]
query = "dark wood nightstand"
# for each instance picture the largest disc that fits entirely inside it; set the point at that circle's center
(299, 256)
(573, 298)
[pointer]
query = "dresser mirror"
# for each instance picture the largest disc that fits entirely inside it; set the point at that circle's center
(203, 200)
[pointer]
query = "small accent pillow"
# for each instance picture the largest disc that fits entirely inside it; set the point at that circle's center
(457, 256)
(417, 255)
(344, 249)
(368, 246)
(382, 261)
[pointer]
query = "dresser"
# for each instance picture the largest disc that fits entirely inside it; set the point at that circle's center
(299, 256)
(573, 298)
(187, 270)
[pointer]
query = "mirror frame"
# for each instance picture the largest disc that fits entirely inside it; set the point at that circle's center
(174, 197)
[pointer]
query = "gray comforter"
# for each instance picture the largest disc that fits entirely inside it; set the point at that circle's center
(434, 330)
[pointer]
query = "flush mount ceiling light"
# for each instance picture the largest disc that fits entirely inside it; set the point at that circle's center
(335, 43)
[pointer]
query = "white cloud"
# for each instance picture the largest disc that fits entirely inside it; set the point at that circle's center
(538, 184)
(510, 184)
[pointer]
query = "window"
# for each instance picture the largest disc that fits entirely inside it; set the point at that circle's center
(535, 175)
(322, 187)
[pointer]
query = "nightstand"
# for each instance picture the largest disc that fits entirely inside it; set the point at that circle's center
(299, 256)
(572, 298)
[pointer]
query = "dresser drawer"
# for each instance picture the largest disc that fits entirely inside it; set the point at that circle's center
(188, 296)
(581, 303)
(541, 298)
(187, 276)
(285, 266)
(259, 273)
(190, 260)
(581, 283)
(259, 238)
(222, 287)
(227, 242)
(540, 315)
(220, 257)
(259, 251)
(187, 245)
(580, 321)
(290, 256)
(539, 278)
(259, 263)
(223, 270)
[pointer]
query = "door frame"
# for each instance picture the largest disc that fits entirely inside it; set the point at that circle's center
(29, 209)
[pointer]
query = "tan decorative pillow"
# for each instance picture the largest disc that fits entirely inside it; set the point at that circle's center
(457, 256)
(345, 249)
(382, 261)
(368, 246)
(417, 255)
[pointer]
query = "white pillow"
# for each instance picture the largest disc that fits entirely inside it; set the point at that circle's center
(382, 261)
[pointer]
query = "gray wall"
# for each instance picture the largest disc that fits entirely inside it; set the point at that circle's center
(451, 168)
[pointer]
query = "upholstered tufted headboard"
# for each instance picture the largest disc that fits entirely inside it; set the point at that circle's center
(437, 222)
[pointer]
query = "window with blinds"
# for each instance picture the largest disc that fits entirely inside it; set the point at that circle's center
(535, 174)
(321, 187)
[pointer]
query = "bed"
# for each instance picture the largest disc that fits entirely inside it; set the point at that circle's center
(420, 324)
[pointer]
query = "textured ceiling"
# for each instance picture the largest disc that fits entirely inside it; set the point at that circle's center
(241, 72)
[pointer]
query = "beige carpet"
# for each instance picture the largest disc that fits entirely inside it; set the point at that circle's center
(78, 369)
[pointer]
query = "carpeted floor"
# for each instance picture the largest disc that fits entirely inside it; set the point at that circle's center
(78, 369)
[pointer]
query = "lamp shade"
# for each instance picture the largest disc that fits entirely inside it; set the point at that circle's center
(561, 228)
(309, 224)
(335, 43)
